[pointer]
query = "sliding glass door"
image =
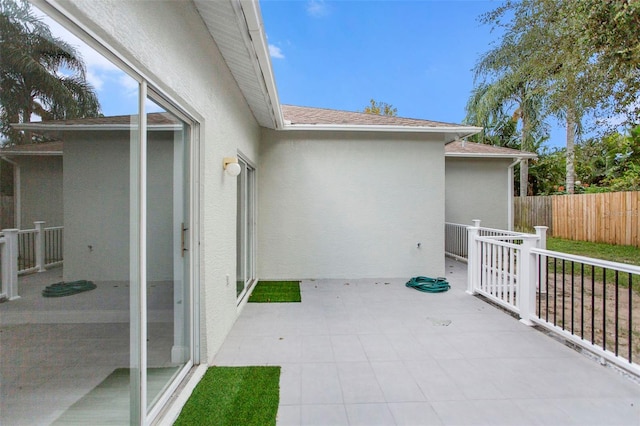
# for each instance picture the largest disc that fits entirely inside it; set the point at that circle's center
(115, 189)
(246, 228)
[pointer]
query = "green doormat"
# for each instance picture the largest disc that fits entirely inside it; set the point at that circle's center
(246, 396)
(276, 292)
(67, 288)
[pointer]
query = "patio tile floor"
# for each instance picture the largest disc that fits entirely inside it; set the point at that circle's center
(368, 352)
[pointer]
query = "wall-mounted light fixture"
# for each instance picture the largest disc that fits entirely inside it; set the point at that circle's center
(231, 166)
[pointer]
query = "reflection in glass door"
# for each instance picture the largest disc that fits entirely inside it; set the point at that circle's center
(245, 229)
(167, 291)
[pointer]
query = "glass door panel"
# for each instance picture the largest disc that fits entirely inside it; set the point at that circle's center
(63, 357)
(245, 234)
(168, 290)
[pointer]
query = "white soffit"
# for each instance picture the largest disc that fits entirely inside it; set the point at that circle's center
(238, 31)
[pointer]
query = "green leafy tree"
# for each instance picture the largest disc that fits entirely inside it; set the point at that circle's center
(380, 108)
(39, 74)
(587, 57)
(547, 172)
(504, 86)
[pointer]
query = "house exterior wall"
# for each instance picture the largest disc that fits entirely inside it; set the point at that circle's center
(40, 190)
(350, 205)
(477, 189)
(169, 43)
(96, 206)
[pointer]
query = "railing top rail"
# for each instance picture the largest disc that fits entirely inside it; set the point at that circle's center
(27, 231)
(456, 224)
(483, 228)
(505, 237)
(497, 242)
(53, 228)
(622, 267)
(501, 231)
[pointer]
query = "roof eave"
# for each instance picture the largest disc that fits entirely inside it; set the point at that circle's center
(490, 155)
(92, 127)
(262, 58)
(31, 154)
(457, 132)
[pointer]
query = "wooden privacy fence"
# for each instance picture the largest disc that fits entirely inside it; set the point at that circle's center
(611, 217)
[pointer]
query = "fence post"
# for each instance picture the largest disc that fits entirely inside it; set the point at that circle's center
(541, 232)
(472, 257)
(527, 279)
(39, 225)
(10, 263)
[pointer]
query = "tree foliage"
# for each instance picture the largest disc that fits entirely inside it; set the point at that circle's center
(380, 108)
(577, 58)
(603, 164)
(39, 74)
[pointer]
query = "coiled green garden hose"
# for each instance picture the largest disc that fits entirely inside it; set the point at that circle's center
(67, 288)
(429, 285)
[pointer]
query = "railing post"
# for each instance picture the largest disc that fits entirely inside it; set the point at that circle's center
(39, 225)
(526, 292)
(10, 263)
(541, 232)
(472, 260)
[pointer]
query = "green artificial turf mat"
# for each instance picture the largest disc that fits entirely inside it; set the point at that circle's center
(276, 292)
(234, 396)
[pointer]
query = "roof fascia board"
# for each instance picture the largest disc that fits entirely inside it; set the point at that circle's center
(383, 128)
(489, 155)
(248, 12)
(31, 154)
(100, 127)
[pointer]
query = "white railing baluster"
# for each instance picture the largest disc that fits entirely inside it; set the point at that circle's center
(10, 263)
(39, 245)
(473, 264)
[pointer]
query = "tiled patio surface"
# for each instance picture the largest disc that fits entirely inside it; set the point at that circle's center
(373, 352)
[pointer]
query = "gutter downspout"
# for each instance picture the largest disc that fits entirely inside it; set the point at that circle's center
(16, 190)
(510, 190)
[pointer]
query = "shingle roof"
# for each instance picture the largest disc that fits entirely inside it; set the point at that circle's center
(47, 148)
(157, 118)
(472, 149)
(307, 115)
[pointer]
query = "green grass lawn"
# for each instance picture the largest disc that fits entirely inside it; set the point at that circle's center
(614, 253)
(276, 292)
(247, 396)
(611, 252)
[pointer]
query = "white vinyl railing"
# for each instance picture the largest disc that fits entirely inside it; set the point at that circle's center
(28, 250)
(456, 242)
(590, 302)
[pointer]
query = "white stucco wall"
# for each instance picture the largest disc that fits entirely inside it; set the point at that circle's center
(40, 190)
(350, 205)
(169, 42)
(96, 206)
(477, 189)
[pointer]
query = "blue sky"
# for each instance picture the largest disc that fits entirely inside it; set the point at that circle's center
(416, 55)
